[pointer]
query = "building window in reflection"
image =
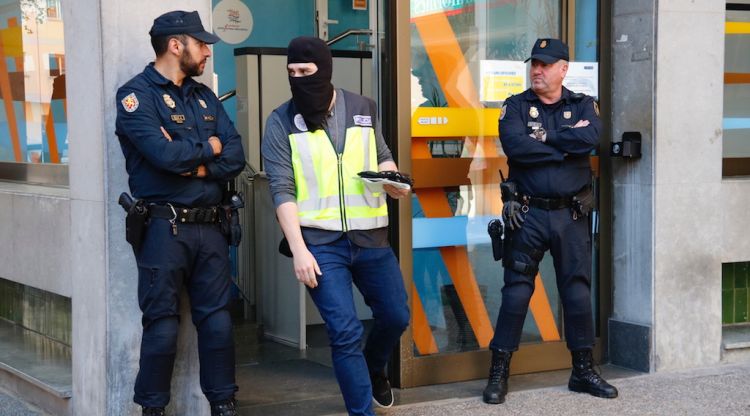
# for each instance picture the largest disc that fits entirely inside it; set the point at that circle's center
(33, 125)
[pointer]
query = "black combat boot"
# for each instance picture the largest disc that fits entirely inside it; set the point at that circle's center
(381, 389)
(224, 408)
(153, 411)
(497, 384)
(584, 379)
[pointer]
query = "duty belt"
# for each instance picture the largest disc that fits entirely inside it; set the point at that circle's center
(183, 215)
(549, 203)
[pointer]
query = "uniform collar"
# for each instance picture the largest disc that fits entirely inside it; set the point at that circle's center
(530, 95)
(188, 84)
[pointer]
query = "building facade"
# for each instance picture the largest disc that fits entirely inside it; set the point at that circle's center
(672, 256)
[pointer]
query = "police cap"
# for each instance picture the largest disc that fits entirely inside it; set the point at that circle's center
(179, 22)
(549, 51)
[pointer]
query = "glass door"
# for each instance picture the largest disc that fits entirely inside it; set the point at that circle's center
(466, 59)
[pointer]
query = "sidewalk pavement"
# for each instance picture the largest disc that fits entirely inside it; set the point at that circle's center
(720, 390)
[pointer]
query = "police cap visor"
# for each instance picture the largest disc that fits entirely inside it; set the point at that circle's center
(182, 23)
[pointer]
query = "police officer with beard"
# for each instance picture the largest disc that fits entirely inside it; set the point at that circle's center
(180, 151)
(548, 133)
(313, 147)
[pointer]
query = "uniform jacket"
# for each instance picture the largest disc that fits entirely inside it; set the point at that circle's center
(190, 114)
(560, 166)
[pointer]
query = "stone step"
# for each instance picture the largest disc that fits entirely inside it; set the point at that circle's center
(36, 359)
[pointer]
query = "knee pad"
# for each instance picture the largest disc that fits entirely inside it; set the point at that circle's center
(516, 298)
(162, 333)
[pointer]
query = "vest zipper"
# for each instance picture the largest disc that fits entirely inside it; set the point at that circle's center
(342, 205)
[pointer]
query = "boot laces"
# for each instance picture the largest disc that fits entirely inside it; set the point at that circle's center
(498, 371)
(588, 373)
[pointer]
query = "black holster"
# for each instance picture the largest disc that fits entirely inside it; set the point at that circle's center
(135, 220)
(583, 203)
(509, 191)
(495, 229)
(230, 221)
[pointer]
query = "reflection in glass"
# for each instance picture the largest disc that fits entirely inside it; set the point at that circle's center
(464, 55)
(736, 140)
(33, 125)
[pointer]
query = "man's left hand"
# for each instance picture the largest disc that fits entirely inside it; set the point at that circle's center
(200, 172)
(395, 192)
(581, 123)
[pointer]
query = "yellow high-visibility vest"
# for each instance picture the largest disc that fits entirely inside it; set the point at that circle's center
(329, 194)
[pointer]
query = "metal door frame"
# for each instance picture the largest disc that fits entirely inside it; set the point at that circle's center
(410, 370)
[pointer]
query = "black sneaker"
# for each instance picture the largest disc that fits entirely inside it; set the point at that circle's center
(153, 411)
(382, 394)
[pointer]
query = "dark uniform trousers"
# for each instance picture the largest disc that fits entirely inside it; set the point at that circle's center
(568, 241)
(198, 258)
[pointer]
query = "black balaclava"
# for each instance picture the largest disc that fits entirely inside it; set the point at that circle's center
(311, 94)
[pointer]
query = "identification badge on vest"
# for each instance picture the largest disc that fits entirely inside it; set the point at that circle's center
(299, 122)
(365, 121)
(178, 118)
(208, 118)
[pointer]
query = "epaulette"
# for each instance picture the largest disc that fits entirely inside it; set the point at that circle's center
(577, 96)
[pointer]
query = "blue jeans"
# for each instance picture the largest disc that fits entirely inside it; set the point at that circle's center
(376, 274)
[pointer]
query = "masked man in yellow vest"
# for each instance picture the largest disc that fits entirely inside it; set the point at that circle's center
(337, 228)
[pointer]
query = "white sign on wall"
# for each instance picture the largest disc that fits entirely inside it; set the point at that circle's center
(583, 77)
(501, 79)
(233, 21)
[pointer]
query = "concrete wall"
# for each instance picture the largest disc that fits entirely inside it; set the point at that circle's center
(107, 43)
(35, 236)
(668, 60)
(688, 185)
(633, 88)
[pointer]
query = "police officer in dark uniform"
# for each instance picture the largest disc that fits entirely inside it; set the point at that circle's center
(181, 149)
(548, 133)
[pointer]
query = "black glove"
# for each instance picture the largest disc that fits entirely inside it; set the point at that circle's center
(512, 214)
(388, 174)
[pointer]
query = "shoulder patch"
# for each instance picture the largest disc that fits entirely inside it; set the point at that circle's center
(365, 121)
(503, 110)
(130, 102)
(299, 122)
(596, 107)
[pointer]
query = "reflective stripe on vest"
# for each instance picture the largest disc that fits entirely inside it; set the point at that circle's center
(329, 195)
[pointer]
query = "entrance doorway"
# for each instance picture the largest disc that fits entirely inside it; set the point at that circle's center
(466, 59)
(283, 359)
(439, 116)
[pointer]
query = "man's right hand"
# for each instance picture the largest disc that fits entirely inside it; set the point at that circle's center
(306, 268)
(215, 145)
